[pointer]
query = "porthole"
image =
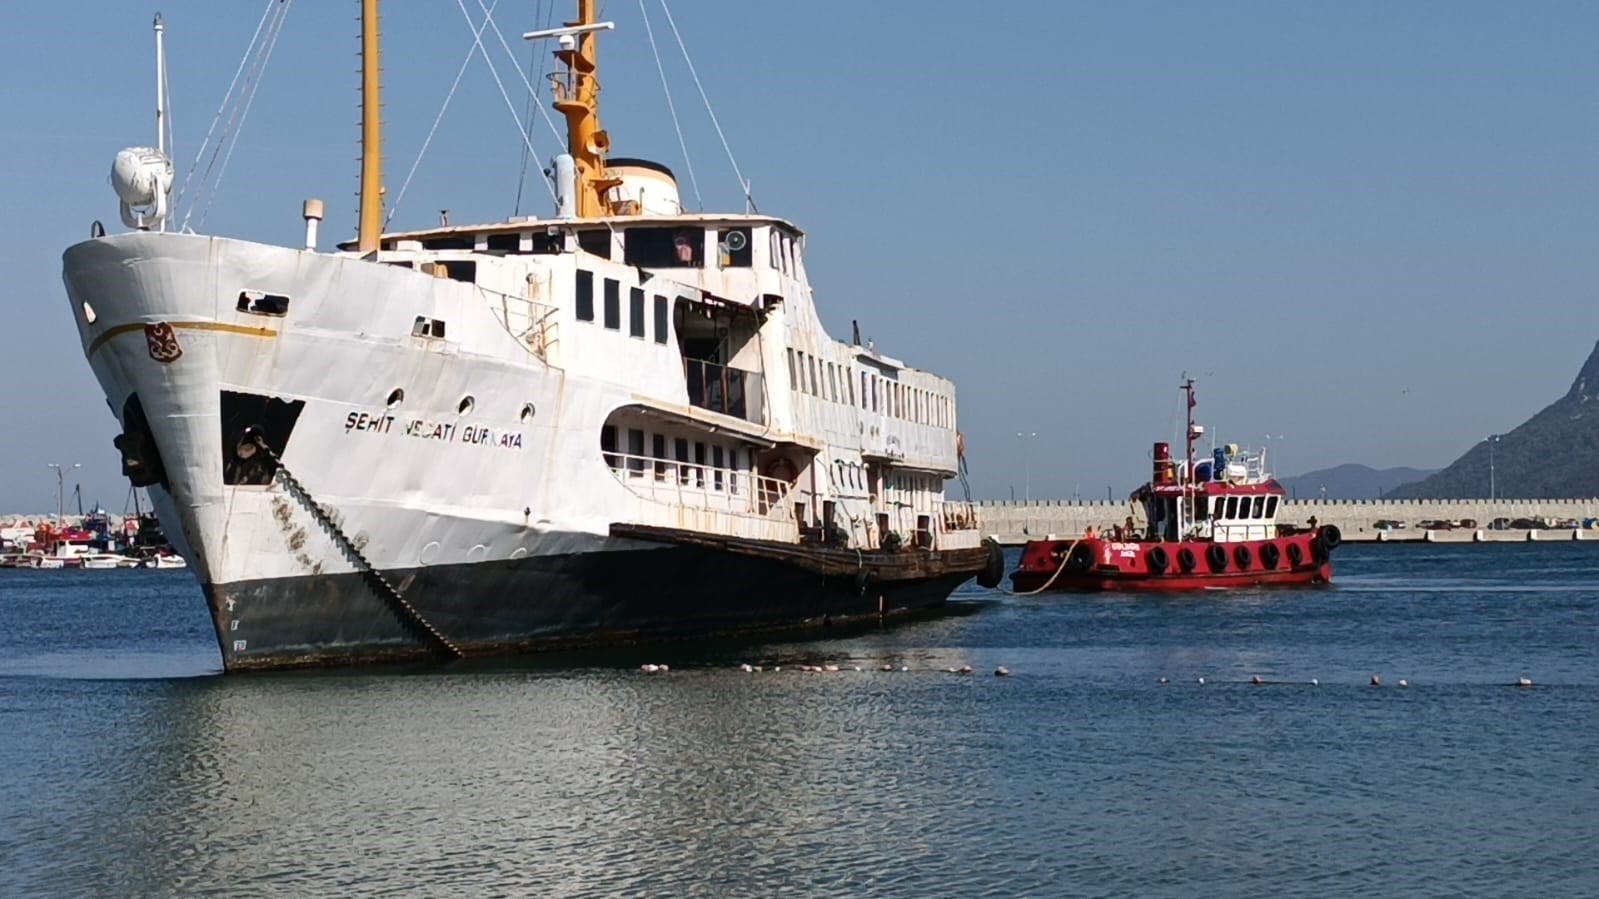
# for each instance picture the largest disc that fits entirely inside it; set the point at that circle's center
(396, 397)
(528, 412)
(466, 405)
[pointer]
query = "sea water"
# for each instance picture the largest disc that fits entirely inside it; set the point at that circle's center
(1101, 766)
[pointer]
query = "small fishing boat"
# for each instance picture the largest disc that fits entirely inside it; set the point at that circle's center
(1208, 525)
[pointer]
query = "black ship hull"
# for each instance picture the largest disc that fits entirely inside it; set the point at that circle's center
(618, 597)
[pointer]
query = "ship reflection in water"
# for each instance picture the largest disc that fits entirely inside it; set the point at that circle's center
(129, 767)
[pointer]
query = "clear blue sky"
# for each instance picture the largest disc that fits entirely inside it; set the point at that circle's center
(1367, 228)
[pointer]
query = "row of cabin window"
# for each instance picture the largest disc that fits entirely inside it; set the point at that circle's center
(583, 290)
(671, 247)
(1239, 508)
(807, 374)
(713, 466)
(902, 489)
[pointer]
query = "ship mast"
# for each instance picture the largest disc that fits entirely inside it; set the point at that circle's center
(371, 220)
(1189, 435)
(577, 93)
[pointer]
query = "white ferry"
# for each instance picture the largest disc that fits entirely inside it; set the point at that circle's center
(619, 423)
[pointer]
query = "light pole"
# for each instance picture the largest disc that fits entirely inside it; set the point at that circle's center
(61, 489)
(1491, 439)
(1027, 463)
(1280, 438)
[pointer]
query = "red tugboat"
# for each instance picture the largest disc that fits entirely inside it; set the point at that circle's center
(1211, 525)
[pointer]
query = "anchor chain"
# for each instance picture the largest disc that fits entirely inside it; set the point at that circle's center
(406, 613)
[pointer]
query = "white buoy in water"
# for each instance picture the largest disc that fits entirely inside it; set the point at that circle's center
(1002, 671)
(966, 669)
(904, 667)
(649, 668)
(1403, 682)
(1201, 681)
(1314, 682)
(1256, 680)
(1376, 681)
(886, 668)
(1524, 682)
(746, 668)
(1163, 682)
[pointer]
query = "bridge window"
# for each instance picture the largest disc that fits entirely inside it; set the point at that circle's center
(733, 246)
(660, 319)
(791, 381)
(595, 242)
(1271, 507)
(1259, 510)
(503, 243)
(665, 247)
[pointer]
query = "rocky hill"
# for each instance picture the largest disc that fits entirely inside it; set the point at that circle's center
(1350, 481)
(1553, 455)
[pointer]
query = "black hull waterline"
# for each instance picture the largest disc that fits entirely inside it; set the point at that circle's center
(611, 598)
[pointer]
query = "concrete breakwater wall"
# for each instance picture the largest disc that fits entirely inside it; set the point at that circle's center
(1017, 522)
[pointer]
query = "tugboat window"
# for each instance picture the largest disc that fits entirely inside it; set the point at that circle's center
(504, 243)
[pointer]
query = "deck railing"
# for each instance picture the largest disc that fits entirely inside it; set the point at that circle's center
(695, 485)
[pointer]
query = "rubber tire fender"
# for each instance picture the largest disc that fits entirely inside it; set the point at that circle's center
(1216, 556)
(1186, 560)
(1269, 556)
(1331, 536)
(1296, 556)
(993, 566)
(1243, 557)
(1157, 560)
(1082, 559)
